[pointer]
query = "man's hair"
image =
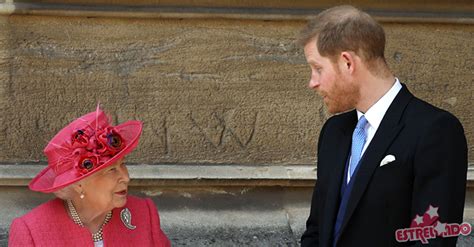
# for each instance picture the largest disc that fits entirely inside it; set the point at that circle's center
(346, 28)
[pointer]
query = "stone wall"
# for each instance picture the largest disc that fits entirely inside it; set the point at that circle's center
(207, 90)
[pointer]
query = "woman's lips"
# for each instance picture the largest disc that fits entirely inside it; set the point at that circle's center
(121, 193)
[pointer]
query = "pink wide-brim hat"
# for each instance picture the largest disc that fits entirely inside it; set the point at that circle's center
(84, 147)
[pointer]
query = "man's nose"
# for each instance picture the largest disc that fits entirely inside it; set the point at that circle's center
(313, 82)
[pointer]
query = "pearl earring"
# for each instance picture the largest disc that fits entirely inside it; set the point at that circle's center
(82, 195)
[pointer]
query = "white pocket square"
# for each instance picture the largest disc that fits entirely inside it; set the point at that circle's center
(389, 158)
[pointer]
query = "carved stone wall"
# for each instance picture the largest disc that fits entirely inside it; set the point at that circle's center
(215, 90)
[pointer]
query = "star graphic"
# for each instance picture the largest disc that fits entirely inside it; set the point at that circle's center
(432, 211)
(440, 227)
(418, 219)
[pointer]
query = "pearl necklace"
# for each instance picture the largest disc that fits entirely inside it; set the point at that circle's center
(98, 236)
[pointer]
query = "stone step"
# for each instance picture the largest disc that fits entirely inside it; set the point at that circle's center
(218, 216)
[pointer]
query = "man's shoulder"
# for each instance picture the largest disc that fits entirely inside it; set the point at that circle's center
(420, 112)
(340, 120)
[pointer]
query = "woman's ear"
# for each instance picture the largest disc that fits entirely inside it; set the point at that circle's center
(77, 187)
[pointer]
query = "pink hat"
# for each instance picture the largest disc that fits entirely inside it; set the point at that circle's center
(82, 148)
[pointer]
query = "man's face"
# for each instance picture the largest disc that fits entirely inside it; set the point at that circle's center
(339, 93)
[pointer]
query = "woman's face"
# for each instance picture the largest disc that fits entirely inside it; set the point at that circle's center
(107, 189)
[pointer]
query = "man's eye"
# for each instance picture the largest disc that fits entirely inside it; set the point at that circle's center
(316, 68)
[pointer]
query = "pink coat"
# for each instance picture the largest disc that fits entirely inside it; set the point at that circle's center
(50, 225)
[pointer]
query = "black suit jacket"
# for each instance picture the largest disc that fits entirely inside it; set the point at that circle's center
(430, 168)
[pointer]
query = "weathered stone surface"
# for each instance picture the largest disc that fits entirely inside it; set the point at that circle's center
(214, 91)
(435, 62)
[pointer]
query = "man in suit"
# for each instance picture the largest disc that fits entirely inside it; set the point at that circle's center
(387, 160)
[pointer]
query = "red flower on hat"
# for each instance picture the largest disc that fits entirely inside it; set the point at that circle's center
(79, 139)
(109, 142)
(86, 164)
(93, 150)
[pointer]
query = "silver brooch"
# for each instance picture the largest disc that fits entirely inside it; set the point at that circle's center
(126, 218)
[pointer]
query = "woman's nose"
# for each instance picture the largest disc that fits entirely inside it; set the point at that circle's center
(124, 174)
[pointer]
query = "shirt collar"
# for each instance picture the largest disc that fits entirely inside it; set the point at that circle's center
(377, 111)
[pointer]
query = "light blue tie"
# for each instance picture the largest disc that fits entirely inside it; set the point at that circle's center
(358, 141)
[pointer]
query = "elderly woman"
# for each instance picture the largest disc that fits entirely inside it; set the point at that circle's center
(87, 173)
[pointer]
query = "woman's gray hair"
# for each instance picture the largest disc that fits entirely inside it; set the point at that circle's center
(66, 193)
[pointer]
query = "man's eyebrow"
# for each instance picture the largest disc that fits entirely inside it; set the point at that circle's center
(312, 61)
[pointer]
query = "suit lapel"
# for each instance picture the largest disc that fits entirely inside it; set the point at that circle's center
(342, 141)
(386, 133)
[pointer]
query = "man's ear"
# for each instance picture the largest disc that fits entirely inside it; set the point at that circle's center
(347, 62)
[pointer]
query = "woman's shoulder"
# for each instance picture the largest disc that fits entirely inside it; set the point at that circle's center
(47, 225)
(140, 207)
(138, 201)
(48, 210)
(42, 223)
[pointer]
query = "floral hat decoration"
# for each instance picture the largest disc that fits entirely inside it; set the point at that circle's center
(87, 145)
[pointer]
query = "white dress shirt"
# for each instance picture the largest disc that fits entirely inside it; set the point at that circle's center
(375, 114)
